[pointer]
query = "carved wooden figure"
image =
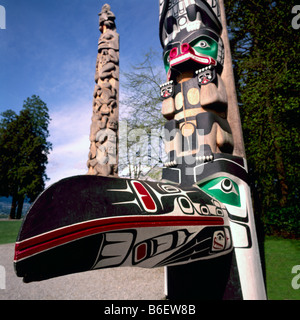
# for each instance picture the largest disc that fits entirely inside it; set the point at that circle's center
(194, 98)
(103, 155)
(201, 149)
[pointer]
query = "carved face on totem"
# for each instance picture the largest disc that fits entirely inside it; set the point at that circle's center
(113, 124)
(190, 35)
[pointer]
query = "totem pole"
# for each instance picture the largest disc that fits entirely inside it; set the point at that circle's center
(198, 220)
(103, 153)
(205, 146)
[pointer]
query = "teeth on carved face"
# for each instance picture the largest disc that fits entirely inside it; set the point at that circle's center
(183, 57)
(166, 83)
(204, 158)
(203, 69)
(170, 164)
(199, 71)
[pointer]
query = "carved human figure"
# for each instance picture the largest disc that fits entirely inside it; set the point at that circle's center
(194, 98)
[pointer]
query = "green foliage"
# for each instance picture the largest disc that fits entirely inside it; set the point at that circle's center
(283, 221)
(7, 124)
(265, 51)
(24, 150)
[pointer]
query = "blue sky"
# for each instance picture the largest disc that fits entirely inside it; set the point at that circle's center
(49, 48)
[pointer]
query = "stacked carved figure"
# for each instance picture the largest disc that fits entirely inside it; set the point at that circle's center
(194, 98)
(103, 137)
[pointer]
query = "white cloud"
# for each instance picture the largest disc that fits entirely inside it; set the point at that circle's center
(69, 134)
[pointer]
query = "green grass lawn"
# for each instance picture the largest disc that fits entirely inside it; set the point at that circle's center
(280, 255)
(9, 230)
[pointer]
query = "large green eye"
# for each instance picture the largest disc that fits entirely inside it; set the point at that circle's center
(167, 61)
(224, 190)
(205, 45)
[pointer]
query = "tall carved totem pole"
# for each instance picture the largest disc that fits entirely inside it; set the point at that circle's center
(205, 144)
(198, 221)
(103, 155)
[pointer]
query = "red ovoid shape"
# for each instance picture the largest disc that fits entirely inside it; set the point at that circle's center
(145, 197)
(141, 252)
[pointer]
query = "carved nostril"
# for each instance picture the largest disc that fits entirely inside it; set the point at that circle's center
(173, 53)
(185, 48)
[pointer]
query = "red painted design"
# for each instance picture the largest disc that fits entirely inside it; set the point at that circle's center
(141, 252)
(61, 236)
(218, 245)
(205, 80)
(166, 94)
(145, 197)
(185, 48)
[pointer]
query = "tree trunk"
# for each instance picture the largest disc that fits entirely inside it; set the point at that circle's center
(228, 78)
(20, 207)
(13, 208)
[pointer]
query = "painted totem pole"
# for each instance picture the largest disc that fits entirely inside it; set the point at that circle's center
(201, 146)
(197, 221)
(103, 153)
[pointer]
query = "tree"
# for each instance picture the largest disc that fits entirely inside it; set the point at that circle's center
(265, 51)
(24, 153)
(7, 125)
(141, 118)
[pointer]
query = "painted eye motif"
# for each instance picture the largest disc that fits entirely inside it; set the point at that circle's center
(203, 44)
(224, 190)
(226, 186)
(167, 57)
(167, 61)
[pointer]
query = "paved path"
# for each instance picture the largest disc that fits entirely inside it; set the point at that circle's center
(105, 284)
